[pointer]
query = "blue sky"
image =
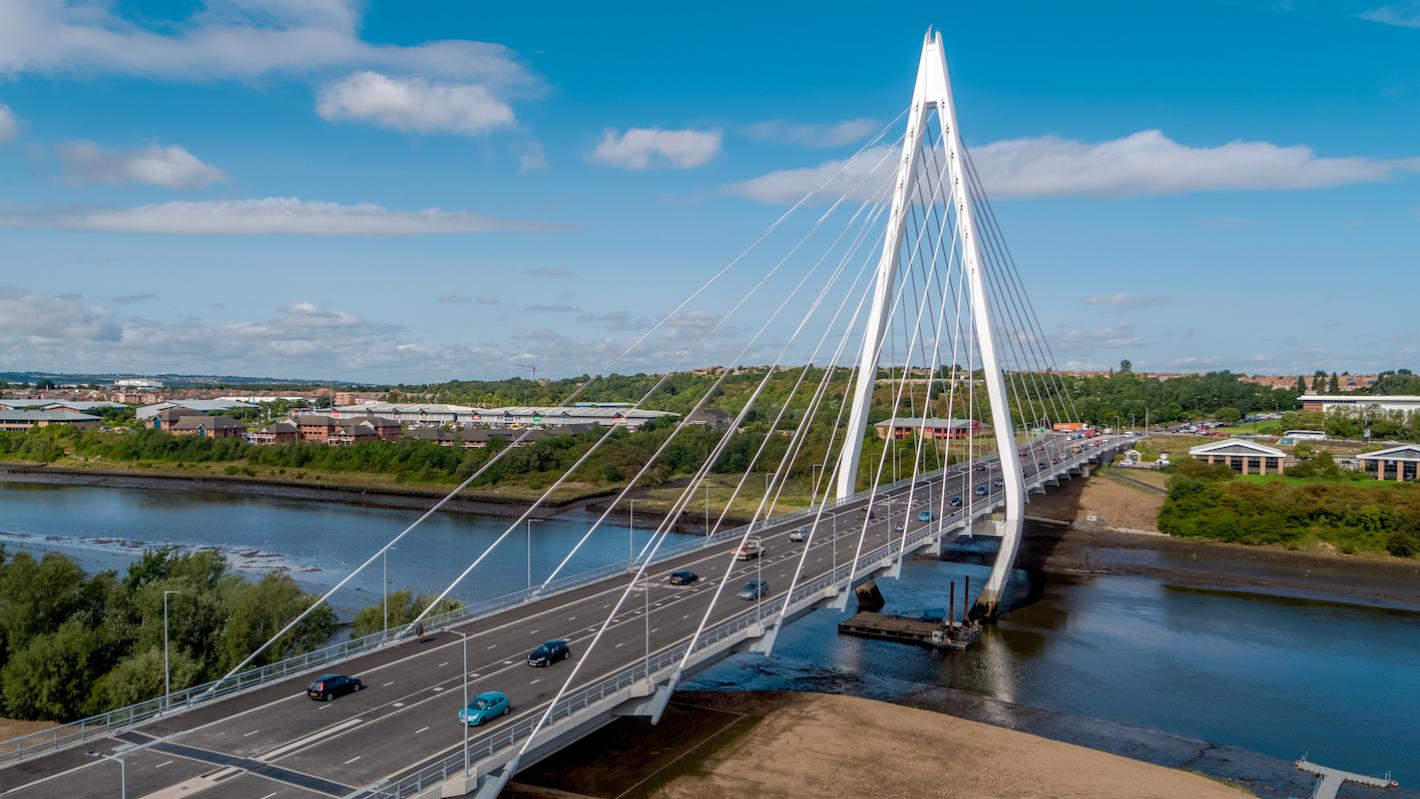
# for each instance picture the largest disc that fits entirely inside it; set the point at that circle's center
(393, 191)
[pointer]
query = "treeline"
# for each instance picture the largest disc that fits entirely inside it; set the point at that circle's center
(1338, 508)
(73, 645)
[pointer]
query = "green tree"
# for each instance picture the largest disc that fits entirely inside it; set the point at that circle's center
(1334, 387)
(1301, 385)
(404, 608)
(261, 610)
(50, 678)
(1228, 414)
(138, 678)
(1126, 366)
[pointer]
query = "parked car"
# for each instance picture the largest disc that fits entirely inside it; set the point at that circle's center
(485, 707)
(754, 589)
(328, 686)
(682, 577)
(548, 653)
(798, 536)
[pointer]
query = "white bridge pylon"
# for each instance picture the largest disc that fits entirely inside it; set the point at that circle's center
(933, 93)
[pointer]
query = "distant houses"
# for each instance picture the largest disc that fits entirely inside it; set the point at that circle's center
(27, 419)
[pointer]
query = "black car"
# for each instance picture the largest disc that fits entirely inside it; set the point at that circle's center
(548, 653)
(956, 501)
(328, 686)
(682, 577)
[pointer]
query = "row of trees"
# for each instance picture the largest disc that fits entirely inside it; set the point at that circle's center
(1336, 508)
(73, 644)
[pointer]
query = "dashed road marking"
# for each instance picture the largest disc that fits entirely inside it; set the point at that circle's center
(441, 665)
(353, 759)
(164, 763)
(388, 684)
(421, 729)
(250, 734)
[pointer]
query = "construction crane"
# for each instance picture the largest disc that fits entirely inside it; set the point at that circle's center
(533, 367)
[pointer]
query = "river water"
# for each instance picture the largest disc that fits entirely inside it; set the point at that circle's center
(1275, 676)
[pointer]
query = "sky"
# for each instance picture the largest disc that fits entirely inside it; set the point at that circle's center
(395, 192)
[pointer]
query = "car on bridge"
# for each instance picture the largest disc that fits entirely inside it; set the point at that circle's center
(548, 653)
(328, 686)
(749, 550)
(981, 490)
(754, 589)
(682, 577)
(798, 536)
(998, 482)
(956, 501)
(924, 516)
(485, 707)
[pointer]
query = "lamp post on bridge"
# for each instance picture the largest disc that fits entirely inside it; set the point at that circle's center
(707, 508)
(385, 594)
(464, 721)
(122, 770)
(631, 534)
(167, 669)
(530, 522)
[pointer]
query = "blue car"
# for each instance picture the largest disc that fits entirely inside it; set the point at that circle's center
(754, 589)
(981, 490)
(484, 707)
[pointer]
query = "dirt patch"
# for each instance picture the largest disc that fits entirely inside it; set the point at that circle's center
(10, 728)
(812, 745)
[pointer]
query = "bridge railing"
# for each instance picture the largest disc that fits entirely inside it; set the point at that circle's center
(104, 724)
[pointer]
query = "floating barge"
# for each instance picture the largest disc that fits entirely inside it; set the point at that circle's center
(936, 633)
(938, 629)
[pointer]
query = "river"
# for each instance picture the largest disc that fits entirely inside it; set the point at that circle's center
(1276, 676)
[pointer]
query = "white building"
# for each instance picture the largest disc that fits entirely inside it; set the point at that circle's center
(137, 382)
(1396, 463)
(1331, 402)
(552, 416)
(412, 414)
(1248, 457)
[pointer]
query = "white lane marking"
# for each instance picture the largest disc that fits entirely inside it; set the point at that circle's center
(388, 684)
(268, 796)
(438, 688)
(535, 682)
(250, 734)
(655, 629)
(571, 618)
(164, 763)
(399, 704)
(325, 706)
(310, 739)
(352, 760)
(495, 646)
(421, 729)
(441, 665)
(620, 645)
(507, 663)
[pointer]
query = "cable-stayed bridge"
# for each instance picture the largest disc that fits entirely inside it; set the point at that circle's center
(891, 283)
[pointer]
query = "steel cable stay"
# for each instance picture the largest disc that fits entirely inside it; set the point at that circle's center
(658, 539)
(680, 427)
(660, 382)
(324, 598)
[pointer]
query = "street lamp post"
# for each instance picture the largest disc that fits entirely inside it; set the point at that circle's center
(464, 636)
(385, 592)
(167, 670)
(647, 599)
(122, 771)
(631, 535)
(530, 521)
(707, 508)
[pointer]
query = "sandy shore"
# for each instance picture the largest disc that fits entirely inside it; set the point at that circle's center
(815, 745)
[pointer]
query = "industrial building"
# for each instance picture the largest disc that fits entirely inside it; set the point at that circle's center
(412, 414)
(1331, 402)
(556, 416)
(26, 419)
(147, 411)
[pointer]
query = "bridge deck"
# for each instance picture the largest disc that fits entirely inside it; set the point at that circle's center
(274, 742)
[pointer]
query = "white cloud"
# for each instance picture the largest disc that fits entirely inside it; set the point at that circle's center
(1142, 163)
(1196, 361)
(455, 299)
(230, 39)
(1084, 342)
(859, 177)
(533, 159)
(640, 148)
(835, 134)
(172, 167)
(413, 105)
(1405, 15)
(257, 217)
(1123, 300)
(1149, 162)
(9, 125)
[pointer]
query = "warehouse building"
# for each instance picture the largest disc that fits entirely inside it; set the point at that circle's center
(1396, 463)
(1331, 402)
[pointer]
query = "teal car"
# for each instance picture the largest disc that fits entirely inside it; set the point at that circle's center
(484, 707)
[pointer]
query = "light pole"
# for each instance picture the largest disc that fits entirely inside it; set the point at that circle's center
(647, 598)
(631, 535)
(122, 771)
(464, 636)
(707, 508)
(167, 670)
(530, 521)
(385, 592)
